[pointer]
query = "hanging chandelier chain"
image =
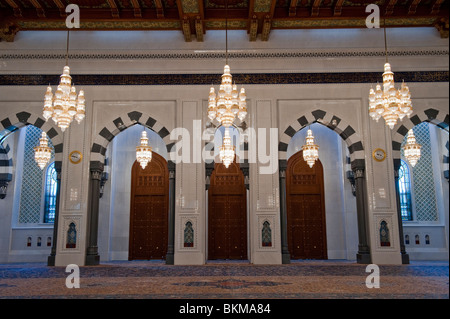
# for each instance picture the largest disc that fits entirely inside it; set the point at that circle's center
(67, 48)
(226, 32)
(385, 40)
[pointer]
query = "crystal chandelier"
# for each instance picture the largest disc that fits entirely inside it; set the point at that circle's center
(411, 150)
(310, 150)
(389, 103)
(143, 151)
(64, 105)
(42, 153)
(227, 104)
(226, 152)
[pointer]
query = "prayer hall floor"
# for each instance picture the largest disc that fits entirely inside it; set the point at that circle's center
(223, 280)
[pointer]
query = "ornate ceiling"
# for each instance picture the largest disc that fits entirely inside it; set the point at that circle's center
(195, 17)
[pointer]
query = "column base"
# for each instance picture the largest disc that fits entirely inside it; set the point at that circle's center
(363, 258)
(405, 259)
(92, 260)
(170, 259)
(51, 260)
(285, 258)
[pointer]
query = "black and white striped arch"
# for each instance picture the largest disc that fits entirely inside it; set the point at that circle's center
(119, 124)
(333, 122)
(434, 116)
(22, 119)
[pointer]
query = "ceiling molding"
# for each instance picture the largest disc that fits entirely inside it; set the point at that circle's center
(257, 17)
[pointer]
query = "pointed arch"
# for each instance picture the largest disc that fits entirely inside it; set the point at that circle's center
(114, 126)
(17, 120)
(352, 139)
(433, 116)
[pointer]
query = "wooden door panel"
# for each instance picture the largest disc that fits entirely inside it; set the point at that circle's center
(227, 214)
(149, 210)
(305, 209)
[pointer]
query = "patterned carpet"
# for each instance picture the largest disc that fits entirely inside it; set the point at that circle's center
(155, 280)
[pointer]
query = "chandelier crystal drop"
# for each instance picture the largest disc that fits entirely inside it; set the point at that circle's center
(411, 150)
(228, 103)
(226, 152)
(310, 149)
(144, 151)
(42, 153)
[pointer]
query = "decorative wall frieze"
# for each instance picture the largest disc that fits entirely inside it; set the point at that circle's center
(233, 54)
(207, 79)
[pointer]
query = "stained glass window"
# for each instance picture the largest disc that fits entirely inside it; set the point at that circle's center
(404, 183)
(50, 194)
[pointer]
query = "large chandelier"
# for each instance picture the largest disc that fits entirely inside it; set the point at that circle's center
(64, 106)
(310, 149)
(411, 150)
(42, 153)
(227, 104)
(226, 152)
(143, 151)
(389, 103)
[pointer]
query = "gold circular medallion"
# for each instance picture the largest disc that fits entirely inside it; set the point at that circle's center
(75, 157)
(379, 155)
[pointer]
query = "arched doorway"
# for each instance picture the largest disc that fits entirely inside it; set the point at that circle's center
(227, 214)
(306, 228)
(149, 210)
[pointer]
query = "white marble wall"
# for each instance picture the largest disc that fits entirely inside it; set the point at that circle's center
(270, 106)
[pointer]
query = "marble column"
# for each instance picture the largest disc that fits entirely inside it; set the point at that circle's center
(405, 256)
(170, 258)
(96, 170)
(285, 256)
(363, 256)
(52, 257)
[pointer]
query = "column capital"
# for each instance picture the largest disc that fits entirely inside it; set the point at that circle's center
(397, 164)
(282, 166)
(358, 165)
(96, 169)
(58, 166)
(171, 166)
(359, 173)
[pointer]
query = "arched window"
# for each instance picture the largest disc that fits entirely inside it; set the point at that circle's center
(50, 194)
(404, 185)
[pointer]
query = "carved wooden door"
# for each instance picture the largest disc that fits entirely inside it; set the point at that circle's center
(305, 201)
(149, 210)
(227, 214)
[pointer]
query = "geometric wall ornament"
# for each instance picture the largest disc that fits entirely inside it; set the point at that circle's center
(70, 233)
(384, 231)
(267, 229)
(423, 177)
(32, 179)
(266, 234)
(188, 234)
